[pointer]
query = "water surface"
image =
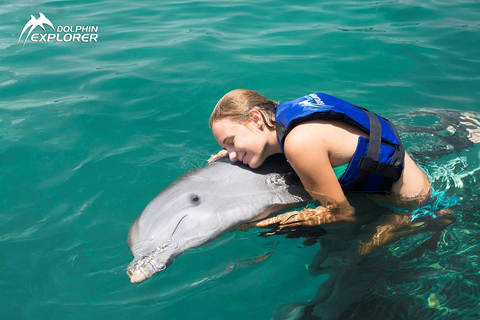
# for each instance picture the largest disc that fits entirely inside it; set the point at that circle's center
(90, 132)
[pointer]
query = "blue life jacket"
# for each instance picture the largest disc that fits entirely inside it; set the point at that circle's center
(377, 162)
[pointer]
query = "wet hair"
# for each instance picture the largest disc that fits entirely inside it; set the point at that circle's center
(236, 104)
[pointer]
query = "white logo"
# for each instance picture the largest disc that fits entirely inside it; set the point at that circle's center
(33, 23)
(317, 99)
(309, 102)
(63, 33)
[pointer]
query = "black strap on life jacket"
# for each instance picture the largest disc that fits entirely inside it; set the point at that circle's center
(369, 163)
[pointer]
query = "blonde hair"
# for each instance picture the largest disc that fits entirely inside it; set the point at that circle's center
(236, 105)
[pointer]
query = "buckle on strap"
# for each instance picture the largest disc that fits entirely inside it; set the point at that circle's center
(381, 168)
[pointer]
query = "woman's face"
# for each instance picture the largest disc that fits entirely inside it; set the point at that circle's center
(244, 142)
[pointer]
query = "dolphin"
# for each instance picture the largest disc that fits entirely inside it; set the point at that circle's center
(206, 203)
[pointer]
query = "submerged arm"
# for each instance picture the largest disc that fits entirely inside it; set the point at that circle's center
(307, 217)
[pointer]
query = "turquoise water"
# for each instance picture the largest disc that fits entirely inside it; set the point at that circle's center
(91, 132)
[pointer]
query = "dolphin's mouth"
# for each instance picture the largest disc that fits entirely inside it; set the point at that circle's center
(175, 230)
(144, 267)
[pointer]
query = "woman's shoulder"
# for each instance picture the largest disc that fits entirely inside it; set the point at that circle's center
(335, 138)
(317, 131)
(305, 136)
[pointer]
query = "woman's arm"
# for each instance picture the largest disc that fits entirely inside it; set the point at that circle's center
(307, 150)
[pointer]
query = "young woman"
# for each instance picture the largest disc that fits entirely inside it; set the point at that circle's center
(333, 146)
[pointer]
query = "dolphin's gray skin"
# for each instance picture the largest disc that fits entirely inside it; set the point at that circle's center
(203, 205)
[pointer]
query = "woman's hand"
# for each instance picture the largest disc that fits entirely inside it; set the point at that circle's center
(222, 153)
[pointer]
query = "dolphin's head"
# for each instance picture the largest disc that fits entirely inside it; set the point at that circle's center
(199, 207)
(183, 216)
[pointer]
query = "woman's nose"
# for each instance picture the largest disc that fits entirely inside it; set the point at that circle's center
(232, 155)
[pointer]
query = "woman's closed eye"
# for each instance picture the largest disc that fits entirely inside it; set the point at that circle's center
(229, 141)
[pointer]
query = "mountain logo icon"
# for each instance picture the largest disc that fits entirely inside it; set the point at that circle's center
(33, 23)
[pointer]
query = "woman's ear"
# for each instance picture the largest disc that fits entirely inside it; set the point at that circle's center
(256, 118)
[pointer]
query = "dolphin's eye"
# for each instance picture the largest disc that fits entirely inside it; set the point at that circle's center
(195, 199)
